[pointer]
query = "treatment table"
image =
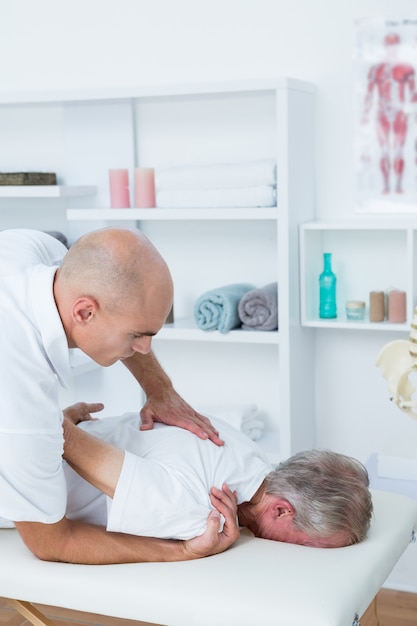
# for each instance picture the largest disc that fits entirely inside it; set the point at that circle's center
(255, 582)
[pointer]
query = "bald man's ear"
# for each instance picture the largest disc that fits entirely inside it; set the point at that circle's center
(84, 309)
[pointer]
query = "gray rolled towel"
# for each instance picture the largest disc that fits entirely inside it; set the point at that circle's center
(258, 309)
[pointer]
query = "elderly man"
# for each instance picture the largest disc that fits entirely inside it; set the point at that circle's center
(108, 295)
(157, 482)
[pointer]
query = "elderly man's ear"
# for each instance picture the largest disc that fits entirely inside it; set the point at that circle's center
(283, 509)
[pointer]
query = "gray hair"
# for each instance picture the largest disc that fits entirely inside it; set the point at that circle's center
(328, 491)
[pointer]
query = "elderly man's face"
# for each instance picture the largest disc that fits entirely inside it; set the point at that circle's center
(275, 520)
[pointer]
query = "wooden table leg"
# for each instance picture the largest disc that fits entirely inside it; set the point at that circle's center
(370, 618)
(32, 614)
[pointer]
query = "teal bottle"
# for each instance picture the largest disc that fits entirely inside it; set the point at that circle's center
(327, 283)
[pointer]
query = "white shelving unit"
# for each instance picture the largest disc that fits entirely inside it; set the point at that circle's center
(206, 248)
(187, 330)
(367, 255)
(173, 214)
(45, 191)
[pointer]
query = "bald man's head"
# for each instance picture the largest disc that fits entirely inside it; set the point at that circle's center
(114, 266)
(112, 287)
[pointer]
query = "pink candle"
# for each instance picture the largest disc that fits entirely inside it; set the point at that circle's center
(145, 187)
(396, 306)
(119, 189)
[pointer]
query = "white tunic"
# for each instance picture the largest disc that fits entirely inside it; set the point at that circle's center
(163, 489)
(34, 358)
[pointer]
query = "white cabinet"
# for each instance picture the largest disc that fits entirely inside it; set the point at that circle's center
(206, 248)
(367, 255)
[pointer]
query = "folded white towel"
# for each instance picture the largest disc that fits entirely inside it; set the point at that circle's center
(244, 417)
(263, 196)
(5, 523)
(217, 176)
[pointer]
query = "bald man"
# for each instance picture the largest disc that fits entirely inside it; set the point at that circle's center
(108, 295)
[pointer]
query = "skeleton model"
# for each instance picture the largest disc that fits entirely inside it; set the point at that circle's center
(397, 360)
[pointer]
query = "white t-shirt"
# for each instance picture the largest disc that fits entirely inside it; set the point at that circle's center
(34, 358)
(164, 485)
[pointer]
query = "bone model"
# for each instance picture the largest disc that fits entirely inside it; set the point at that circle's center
(397, 360)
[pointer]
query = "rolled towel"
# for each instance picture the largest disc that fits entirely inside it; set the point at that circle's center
(258, 309)
(243, 417)
(217, 176)
(216, 309)
(262, 196)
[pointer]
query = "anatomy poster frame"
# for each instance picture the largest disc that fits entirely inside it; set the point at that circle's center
(385, 115)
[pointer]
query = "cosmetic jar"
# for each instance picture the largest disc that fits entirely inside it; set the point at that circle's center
(355, 310)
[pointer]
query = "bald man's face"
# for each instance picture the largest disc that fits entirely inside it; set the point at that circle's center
(109, 337)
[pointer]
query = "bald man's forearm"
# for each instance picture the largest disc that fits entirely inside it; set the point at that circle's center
(148, 372)
(163, 403)
(71, 541)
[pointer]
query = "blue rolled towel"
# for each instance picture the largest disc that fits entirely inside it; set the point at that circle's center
(216, 309)
(258, 309)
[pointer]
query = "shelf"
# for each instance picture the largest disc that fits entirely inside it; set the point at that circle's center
(187, 330)
(269, 213)
(45, 191)
(154, 91)
(367, 255)
(344, 324)
(382, 222)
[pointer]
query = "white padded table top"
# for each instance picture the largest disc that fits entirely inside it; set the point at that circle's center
(255, 582)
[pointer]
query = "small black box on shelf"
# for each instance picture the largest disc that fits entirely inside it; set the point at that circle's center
(27, 178)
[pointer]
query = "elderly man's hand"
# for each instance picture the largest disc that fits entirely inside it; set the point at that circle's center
(169, 408)
(81, 411)
(211, 541)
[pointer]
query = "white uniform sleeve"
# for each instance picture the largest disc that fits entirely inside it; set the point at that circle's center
(32, 483)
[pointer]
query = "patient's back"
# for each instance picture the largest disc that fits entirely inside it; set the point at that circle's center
(169, 472)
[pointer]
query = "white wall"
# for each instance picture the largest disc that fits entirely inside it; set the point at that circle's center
(88, 43)
(98, 43)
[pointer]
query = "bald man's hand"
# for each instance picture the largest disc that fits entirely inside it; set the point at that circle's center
(81, 411)
(163, 404)
(169, 408)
